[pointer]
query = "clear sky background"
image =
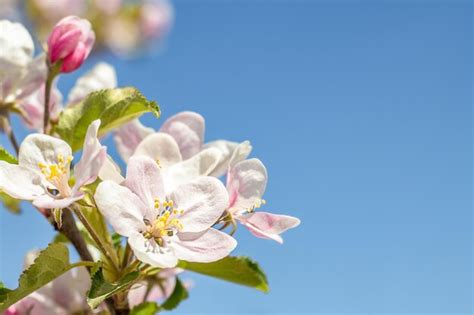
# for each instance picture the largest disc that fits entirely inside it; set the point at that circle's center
(361, 111)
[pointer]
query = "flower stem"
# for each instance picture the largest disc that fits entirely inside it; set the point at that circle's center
(53, 70)
(11, 135)
(97, 239)
(71, 231)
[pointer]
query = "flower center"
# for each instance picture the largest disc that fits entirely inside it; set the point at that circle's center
(166, 223)
(58, 175)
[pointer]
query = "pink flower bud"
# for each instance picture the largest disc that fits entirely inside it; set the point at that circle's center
(70, 42)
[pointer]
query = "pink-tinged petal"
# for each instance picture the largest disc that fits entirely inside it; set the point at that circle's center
(20, 182)
(246, 183)
(121, 208)
(129, 136)
(111, 171)
(34, 77)
(70, 289)
(150, 253)
(48, 202)
(137, 293)
(144, 179)
(231, 151)
(160, 147)
(209, 246)
(39, 148)
(66, 44)
(102, 76)
(74, 60)
(187, 128)
(201, 164)
(203, 201)
(35, 304)
(93, 157)
(268, 225)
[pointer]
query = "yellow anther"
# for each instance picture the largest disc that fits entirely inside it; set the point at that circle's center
(158, 162)
(157, 203)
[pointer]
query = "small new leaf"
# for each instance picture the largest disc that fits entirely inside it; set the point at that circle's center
(114, 107)
(11, 204)
(50, 264)
(145, 308)
(179, 294)
(240, 270)
(101, 289)
(6, 156)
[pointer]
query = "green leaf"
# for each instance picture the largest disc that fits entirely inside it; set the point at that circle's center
(240, 270)
(179, 294)
(11, 204)
(114, 107)
(50, 264)
(6, 156)
(145, 308)
(101, 289)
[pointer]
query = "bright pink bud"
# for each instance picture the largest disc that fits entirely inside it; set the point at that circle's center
(70, 42)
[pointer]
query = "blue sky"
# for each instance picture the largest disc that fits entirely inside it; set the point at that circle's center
(361, 111)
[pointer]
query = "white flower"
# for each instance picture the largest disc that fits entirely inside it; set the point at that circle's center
(165, 227)
(42, 173)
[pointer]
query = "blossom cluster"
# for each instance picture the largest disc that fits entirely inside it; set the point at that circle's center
(168, 206)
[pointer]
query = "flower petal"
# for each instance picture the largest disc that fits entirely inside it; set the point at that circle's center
(48, 202)
(144, 179)
(246, 184)
(92, 159)
(129, 136)
(121, 208)
(269, 225)
(111, 171)
(203, 201)
(148, 252)
(209, 246)
(17, 44)
(231, 151)
(201, 164)
(102, 76)
(39, 148)
(187, 128)
(160, 147)
(20, 182)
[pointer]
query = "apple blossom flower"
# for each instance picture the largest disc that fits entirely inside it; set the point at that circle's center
(161, 227)
(102, 76)
(42, 173)
(20, 73)
(187, 129)
(156, 18)
(70, 43)
(246, 183)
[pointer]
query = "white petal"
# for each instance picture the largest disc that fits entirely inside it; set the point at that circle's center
(201, 164)
(240, 153)
(203, 201)
(20, 182)
(92, 159)
(102, 76)
(148, 252)
(129, 136)
(144, 179)
(231, 151)
(111, 171)
(160, 147)
(209, 246)
(39, 148)
(47, 202)
(187, 128)
(120, 207)
(17, 44)
(246, 184)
